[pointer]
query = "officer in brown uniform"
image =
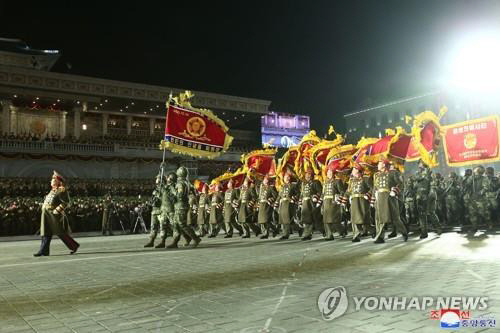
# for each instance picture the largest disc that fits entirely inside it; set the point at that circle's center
(333, 189)
(230, 202)
(201, 217)
(358, 193)
(53, 219)
(215, 219)
(310, 192)
(267, 197)
(286, 207)
(385, 191)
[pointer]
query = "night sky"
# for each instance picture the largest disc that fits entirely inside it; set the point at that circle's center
(321, 58)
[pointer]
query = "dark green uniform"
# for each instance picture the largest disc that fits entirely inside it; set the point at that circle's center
(358, 194)
(333, 190)
(230, 202)
(310, 192)
(215, 219)
(491, 191)
(478, 208)
(246, 202)
(453, 200)
(201, 217)
(386, 203)
(410, 201)
(193, 207)
(286, 208)
(267, 197)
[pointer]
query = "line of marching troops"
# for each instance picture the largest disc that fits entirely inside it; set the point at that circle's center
(371, 201)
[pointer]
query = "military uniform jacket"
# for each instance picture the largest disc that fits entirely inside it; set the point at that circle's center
(193, 207)
(308, 190)
(423, 178)
(216, 203)
(230, 199)
(53, 221)
(286, 207)
(475, 186)
(332, 189)
(267, 196)
(202, 212)
(452, 189)
(360, 207)
(246, 200)
(386, 207)
(156, 201)
(168, 198)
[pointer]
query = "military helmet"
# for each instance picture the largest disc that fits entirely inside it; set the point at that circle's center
(490, 171)
(182, 172)
(453, 175)
(172, 177)
(479, 170)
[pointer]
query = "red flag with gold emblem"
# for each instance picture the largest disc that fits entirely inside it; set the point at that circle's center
(192, 131)
(260, 162)
(472, 142)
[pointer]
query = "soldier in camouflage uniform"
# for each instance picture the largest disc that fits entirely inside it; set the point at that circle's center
(230, 204)
(193, 207)
(478, 209)
(358, 193)
(201, 217)
(216, 218)
(310, 192)
(286, 198)
(386, 188)
(410, 201)
(181, 192)
(333, 190)
(425, 200)
(492, 190)
(466, 196)
(156, 220)
(267, 197)
(440, 198)
(453, 199)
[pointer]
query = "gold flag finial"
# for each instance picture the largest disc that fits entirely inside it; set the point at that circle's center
(331, 130)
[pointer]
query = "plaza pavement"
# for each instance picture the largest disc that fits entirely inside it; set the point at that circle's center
(113, 284)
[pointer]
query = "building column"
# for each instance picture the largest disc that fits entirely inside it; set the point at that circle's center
(105, 118)
(13, 120)
(151, 126)
(129, 125)
(77, 121)
(62, 127)
(6, 116)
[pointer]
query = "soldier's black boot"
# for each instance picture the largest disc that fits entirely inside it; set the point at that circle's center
(356, 240)
(423, 236)
(160, 245)
(405, 237)
(379, 241)
(151, 243)
(392, 235)
(44, 247)
(173, 245)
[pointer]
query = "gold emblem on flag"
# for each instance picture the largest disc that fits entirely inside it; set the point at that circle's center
(196, 127)
(470, 140)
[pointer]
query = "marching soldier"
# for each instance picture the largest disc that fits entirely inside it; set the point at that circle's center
(267, 196)
(453, 198)
(286, 200)
(215, 218)
(409, 201)
(201, 217)
(310, 192)
(230, 202)
(156, 220)
(245, 203)
(385, 191)
(181, 192)
(193, 207)
(53, 220)
(358, 193)
(491, 192)
(332, 194)
(466, 195)
(426, 200)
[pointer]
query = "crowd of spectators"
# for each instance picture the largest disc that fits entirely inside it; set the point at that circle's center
(22, 198)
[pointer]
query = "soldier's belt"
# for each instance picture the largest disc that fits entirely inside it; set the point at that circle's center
(357, 196)
(383, 190)
(263, 201)
(284, 199)
(48, 206)
(328, 196)
(306, 198)
(243, 201)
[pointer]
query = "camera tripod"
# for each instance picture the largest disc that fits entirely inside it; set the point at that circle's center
(140, 220)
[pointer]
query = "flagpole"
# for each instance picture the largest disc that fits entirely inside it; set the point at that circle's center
(162, 166)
